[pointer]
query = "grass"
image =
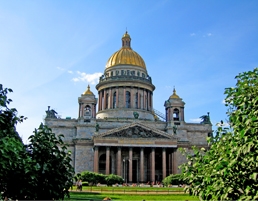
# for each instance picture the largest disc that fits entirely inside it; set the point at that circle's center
(101, 196)
(130, 189)
(130, 193)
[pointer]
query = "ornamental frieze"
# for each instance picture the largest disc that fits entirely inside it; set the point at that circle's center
(135, 132)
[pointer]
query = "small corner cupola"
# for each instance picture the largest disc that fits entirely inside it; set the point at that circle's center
(87, 105)
(174, 107)
(88, 91)
(174, 95)
(126, 41)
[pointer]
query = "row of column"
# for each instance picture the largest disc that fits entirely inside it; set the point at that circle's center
(172, 163)
(106, 98)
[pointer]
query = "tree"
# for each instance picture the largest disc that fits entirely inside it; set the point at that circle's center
(53, 164)
(41, 170)
(229, 169)
(14, 162)
(8, 116)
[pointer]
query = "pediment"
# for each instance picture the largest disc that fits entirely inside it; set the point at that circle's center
(136, 130)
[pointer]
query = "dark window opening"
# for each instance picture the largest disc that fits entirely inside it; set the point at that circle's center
(114, 100)
(176, 115)
(127, 99)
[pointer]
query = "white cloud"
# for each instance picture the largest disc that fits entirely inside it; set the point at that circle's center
(196, 120)
(59, 68)
(71, 72)
(192, 34)
(89, 78)
(208, 35)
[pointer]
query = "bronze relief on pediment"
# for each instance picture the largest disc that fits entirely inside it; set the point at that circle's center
(135, 132)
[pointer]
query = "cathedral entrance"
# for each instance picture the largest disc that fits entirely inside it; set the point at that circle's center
(102, 164)
(135, 171)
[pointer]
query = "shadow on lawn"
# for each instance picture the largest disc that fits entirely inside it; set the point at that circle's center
(85, 196)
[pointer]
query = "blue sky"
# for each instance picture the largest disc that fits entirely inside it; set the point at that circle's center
(51, 50)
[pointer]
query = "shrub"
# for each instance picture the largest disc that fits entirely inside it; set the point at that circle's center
(113, 179)
(174, 179)
(85, 183)
(92, 177)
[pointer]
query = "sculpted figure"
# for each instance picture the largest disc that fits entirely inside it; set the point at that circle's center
(205, 119)
(136, 115)
(174, 129)
(51, 113)
(97, 127)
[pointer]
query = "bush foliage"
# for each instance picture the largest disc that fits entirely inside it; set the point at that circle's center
(94, 178)
(173, 179)
(229, 169)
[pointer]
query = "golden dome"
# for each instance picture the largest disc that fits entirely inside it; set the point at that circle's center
(88, 92)
(174, 95)
(126, 55)
(126, 35)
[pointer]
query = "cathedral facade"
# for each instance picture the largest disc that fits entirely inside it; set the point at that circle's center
(120, 132)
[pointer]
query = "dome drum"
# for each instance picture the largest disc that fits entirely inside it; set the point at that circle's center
(125, 79)
(125, 114)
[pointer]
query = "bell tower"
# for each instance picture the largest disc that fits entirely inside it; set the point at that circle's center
(174, 107)
(87, 105)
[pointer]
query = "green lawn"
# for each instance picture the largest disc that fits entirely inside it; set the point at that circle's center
(129, 189)
(129, 193)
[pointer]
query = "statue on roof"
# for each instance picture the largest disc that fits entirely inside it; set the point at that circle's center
(205, 119)
(51, 113)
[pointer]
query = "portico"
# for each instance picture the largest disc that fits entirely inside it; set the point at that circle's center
(139, 154)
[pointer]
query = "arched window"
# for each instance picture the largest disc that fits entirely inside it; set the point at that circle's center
(114, 99)
(176, 115)
(136, 100)
(106, 104)
(87, 110)
(127, 99)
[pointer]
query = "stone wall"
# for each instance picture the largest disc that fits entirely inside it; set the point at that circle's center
(83, 157)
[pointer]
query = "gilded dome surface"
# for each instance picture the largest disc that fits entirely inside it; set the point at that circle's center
(88, 91)
(174, 95)
(126, 55)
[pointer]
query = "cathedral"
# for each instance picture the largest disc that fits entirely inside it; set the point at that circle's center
(120, 132)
